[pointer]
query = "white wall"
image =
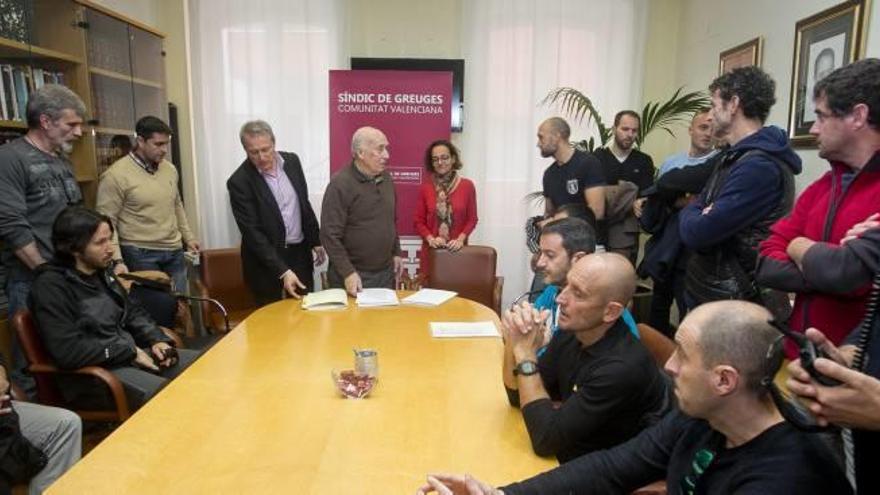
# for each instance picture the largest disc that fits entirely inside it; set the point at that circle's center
(404, 28)
(145, 11)
(708, 27)
(660, 78)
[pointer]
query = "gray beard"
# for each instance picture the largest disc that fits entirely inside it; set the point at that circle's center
(66, 148)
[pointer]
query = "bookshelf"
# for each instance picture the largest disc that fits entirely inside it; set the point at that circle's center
(114, 63)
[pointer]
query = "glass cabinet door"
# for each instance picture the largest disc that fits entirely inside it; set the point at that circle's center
(148, 74)
(110, 71)
(108, 43)
(147, 56)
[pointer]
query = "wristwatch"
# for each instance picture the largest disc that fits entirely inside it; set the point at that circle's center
(526, 368)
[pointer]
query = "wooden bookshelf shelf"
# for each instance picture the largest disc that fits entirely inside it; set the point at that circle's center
(114, 131)
(110, 73)
(114, 63)
(12, 124)
(147, 82)
(122, 77)
(18, 50)
(55, 55)
(14, 49)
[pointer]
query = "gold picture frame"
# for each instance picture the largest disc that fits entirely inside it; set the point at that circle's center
(822, 42)
(744, 55)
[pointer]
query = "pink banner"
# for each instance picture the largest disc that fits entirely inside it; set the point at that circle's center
(412, 108)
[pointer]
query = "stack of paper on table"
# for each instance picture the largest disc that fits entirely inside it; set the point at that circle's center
(368, 298)
(325, 299)
(430, 297)
(457, 329)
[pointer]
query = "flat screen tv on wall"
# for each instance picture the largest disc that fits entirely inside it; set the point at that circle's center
(437, 64)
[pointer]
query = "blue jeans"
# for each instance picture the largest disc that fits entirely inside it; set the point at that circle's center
(17, 292)
(170, 262)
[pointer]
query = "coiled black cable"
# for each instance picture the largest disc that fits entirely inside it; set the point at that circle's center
(867, 325)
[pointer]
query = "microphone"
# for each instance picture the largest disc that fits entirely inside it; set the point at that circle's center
(165, 287)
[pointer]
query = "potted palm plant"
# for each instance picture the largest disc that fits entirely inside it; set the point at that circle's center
(678, 109)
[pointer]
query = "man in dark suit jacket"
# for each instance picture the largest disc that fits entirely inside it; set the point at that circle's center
(279, 230)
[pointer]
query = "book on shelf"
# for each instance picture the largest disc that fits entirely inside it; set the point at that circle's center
(17, 82)
(4, 115)
(9, 94)
(42, 77)
(39, 78)
(21, 91)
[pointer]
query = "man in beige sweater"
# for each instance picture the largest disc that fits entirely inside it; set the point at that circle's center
(140, 194)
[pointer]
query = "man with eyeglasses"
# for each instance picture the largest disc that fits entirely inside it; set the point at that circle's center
(810, 252)
(847, 129)
(727, 438)
(269, 194)
(36, 183)
(605, 381)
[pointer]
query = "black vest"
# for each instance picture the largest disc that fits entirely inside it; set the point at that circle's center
(727, 271)
(744, 245)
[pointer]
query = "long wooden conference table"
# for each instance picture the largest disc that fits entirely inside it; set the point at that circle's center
(259, 413)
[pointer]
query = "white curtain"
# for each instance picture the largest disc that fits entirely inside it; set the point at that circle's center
(266, 59)
(515, 52)
(269, 59)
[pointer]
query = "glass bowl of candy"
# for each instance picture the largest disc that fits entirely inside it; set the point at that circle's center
(352, 384)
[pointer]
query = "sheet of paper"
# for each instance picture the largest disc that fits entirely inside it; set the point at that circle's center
(325, 299)
(377, 297)
(429, 297)
(461, 329)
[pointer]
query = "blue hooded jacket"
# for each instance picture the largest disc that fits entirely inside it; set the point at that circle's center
(751, 191)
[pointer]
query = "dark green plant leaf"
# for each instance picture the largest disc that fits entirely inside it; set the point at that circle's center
(675, 111)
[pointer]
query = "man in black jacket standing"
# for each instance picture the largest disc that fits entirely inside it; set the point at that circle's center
(279, 230)
(85, 318)
(751, 187)
(623, 162)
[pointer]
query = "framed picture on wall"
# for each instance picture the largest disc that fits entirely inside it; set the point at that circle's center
(823, 42)
(744, 55)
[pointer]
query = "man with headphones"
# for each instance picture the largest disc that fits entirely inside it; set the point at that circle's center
(728, 436)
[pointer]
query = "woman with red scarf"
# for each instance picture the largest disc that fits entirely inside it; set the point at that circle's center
(446, 212)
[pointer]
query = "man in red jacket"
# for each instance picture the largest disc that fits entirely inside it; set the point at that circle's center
(810, 252)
